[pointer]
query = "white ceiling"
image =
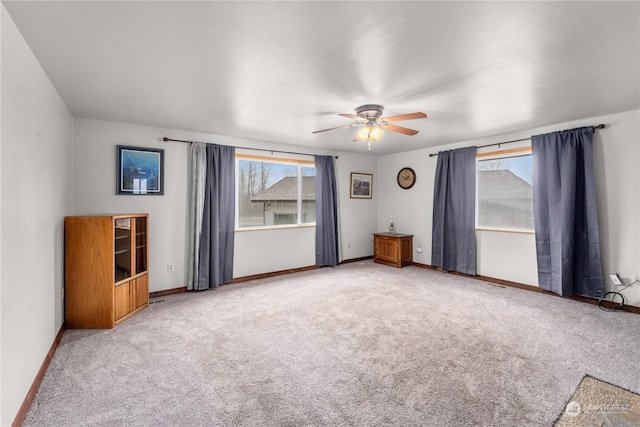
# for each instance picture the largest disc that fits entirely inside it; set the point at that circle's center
(276, 71)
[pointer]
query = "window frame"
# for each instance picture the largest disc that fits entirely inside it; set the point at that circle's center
(299, 163)
(493, 155)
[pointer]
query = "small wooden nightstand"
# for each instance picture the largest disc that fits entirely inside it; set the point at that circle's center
(393, 249)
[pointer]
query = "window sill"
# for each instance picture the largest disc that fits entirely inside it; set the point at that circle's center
(275, 227)
(505, 230)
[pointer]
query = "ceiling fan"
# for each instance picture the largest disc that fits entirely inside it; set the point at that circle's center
(373, 126)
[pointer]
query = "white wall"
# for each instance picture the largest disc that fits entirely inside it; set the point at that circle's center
(256, 252)
(411, 209)
(507, 256)
(358, 216)
(616, 160)
(36, 160)
(94, 189)
(270, 250)
(511, 256)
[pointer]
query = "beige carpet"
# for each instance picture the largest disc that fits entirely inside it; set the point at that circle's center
(357, 345)
(597, 403)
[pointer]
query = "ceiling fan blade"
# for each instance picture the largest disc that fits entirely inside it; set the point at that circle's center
(399, 129)
(351, 116)
(337, 127)
(401, 117)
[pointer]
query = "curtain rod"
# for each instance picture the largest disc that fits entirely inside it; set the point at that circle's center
(165, 139)
(600, 126)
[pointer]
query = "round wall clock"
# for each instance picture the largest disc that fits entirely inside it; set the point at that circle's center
(406, 178)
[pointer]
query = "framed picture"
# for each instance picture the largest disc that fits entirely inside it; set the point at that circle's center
(361, 185)
(140, 171)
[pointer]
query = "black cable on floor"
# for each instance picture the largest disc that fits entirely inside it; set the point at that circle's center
(616, 305)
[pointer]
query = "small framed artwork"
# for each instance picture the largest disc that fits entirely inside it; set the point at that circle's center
(361, 185)
(140, 171)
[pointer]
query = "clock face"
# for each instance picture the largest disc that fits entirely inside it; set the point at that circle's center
(406, 178)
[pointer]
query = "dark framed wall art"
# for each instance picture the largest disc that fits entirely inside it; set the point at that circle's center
(361, 185)
(140, 171)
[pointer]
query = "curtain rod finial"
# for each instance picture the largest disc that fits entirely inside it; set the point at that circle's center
(600, 126)
(165, 139)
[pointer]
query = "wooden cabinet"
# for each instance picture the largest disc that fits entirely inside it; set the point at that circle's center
(106, 269)
(393, 249)
(131, 295)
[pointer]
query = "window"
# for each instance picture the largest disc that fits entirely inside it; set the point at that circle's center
(274, 192)
(505, 191)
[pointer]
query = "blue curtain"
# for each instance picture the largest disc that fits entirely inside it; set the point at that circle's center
(327, 248)
(215, 257)
(453, 244)
(565, 215)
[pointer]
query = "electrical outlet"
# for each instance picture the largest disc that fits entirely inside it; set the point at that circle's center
(170, 268)
(615, 279)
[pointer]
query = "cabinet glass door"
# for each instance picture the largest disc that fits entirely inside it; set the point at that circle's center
(122, 228)
(141, 244)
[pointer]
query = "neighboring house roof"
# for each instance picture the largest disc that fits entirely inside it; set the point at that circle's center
(286, 190)
(503, 184)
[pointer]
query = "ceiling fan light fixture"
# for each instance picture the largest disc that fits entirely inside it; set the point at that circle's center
(368, 117)
(376, 133)
(363, 133)
(371, 130)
